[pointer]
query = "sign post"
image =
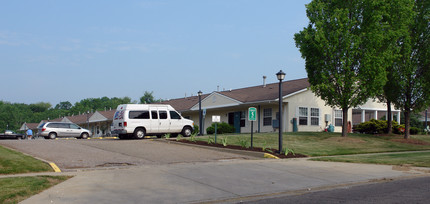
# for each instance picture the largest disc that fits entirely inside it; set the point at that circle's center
(252, 116)
(216, 119)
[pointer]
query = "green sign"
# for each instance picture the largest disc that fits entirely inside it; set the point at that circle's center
(252, 114)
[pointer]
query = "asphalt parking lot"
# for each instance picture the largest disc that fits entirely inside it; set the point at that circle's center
(96, 153)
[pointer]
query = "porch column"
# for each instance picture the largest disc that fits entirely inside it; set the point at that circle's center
(376, 115)
(398, 117)
(363, 116)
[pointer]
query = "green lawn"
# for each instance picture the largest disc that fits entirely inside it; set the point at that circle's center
(12, 162)
(421, 159)
(325, 144)
(16, 189)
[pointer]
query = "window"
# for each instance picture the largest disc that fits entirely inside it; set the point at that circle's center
(154, 114)
(267, 116)
(163, 114)
(315, 116)
(242, 118)
(338, 118)
(303, 116)
(74, 126)
(174, 115)
(138, 115)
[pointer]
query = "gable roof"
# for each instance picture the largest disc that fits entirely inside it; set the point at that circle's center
(253, 94)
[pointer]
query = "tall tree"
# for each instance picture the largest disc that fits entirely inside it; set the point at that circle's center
(399, 13)
(147, 98)
(65, 105)
(343, 50)
(412, 69)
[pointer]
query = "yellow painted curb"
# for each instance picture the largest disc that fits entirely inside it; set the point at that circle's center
(270, 156)
(55, 167)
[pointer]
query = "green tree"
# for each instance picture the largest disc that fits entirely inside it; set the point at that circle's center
(66, 105)
(398, 15)
(412, 68)
(342, 47)
(148, 98)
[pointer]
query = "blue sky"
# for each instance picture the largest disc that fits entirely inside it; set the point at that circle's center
(53, 51)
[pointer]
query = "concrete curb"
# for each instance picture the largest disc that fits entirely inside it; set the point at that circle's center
(234, 151)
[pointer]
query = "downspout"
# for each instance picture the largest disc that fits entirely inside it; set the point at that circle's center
(259, 118)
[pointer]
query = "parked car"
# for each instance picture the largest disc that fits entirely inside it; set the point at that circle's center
(139, 120)
(9, 134)
(52, 130)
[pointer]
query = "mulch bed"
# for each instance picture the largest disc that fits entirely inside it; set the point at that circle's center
(410, 141)
(255, 149)
(401, 139)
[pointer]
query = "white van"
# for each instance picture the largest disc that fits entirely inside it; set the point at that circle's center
(139, 120)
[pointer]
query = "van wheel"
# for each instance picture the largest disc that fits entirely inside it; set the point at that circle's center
(139, 133)
(84, 136)
(52, 135)
(186, 132)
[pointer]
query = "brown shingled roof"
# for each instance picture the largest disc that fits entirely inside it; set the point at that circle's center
(246, 95)
(79, 119)
(270, 92)
(184, 104)
(108, 114)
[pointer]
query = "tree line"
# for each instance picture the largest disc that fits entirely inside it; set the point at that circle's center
(361, 49)
(13, 115)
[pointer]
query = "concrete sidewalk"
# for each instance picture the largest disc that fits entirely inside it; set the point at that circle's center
(227, 181)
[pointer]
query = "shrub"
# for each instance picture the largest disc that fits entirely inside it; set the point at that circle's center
(221, 128)
(196, 129)
(375, 127)
(414, 130)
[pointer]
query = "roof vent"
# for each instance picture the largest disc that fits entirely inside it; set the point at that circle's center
(264, 81)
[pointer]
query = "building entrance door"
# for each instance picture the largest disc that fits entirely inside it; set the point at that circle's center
(234, 119)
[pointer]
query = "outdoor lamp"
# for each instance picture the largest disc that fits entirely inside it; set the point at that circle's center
(280, 75)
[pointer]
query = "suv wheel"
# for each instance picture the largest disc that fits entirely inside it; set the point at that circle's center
(139, 133)
(52, 135)
(84, 135)
(186, 132)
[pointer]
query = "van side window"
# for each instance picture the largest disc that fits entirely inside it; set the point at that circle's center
(163, 114)
(154, 114)
(74, 126)
(138, 115)
(174, 115)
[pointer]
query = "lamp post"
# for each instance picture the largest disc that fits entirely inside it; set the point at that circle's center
(200, 113)
(280, 75)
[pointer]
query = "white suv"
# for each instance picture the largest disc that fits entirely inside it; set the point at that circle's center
(138, 120)
(52, 130)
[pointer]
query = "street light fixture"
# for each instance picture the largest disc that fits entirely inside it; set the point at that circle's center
(200, 113)
(280, 75)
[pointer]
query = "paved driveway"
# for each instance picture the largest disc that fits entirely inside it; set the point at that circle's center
(72, 154)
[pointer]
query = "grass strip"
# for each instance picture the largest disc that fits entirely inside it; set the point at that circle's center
(12, 162)
(16, 189)
(326, 144)
(419, 159)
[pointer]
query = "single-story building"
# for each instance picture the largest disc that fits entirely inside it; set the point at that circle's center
(302, 109)
(99, 122)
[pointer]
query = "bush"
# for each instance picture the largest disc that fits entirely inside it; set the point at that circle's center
(196, 130)
(221, 128)
(375, 127)
(414, 131)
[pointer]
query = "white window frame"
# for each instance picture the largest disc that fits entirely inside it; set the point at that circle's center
(338, 115)
(303, 116)
(315, 117)
(266, 114)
